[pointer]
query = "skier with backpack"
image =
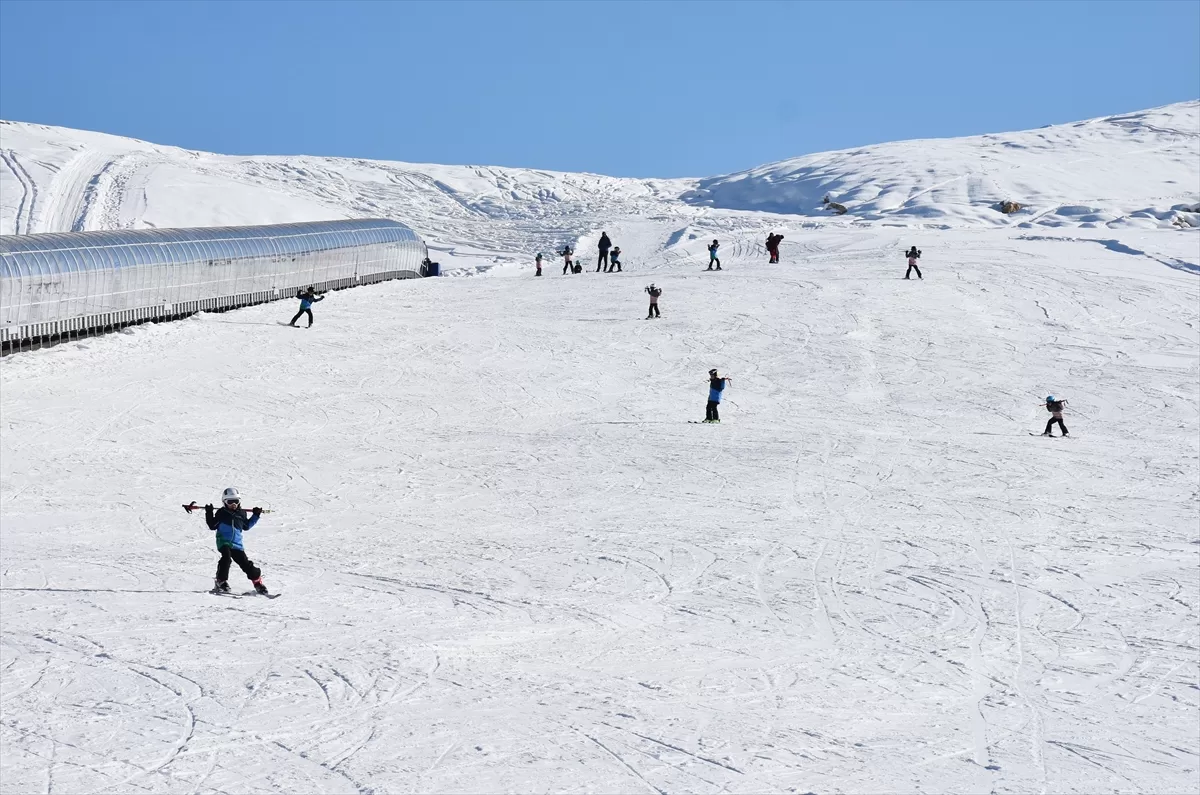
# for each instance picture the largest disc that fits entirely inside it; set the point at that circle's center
(716, 385)
(654, 293)
(230, 521)
(604, 245)
(773, 241)
(307, 299)
(913, 255)
(1055, 407)
(712, 255)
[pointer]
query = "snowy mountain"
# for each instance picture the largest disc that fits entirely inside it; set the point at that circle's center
(1137, 169)
(1134, 170)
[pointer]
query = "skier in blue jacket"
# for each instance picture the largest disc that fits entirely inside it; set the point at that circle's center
(230, 522)
(716, 385)
(307, 299)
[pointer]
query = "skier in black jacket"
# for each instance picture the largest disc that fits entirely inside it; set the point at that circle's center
(307, 299)
(1055, 407)
(604, 246)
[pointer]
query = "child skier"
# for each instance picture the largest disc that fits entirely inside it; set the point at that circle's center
(1055, 407)
(614, 258)
(230, 522)
(716, 385)
(538, 261)
(712, 255)
(566, 255)
(913, 255)
(654, 292)
(307, 299)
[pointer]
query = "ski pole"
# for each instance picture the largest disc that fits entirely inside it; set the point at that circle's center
(194, 507)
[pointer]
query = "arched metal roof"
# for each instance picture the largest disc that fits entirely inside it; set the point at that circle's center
(116, 248)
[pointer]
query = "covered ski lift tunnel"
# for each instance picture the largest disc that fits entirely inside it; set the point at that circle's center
(59, 286)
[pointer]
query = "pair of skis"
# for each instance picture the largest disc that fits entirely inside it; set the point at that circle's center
(231, 595)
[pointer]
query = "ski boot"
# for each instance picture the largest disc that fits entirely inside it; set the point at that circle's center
(220, 586)
(258, 586)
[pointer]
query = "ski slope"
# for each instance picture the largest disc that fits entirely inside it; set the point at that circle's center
(507, 561)
(509, 564)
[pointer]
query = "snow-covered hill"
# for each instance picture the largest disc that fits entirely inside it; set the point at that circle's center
(1137, 169)
(1140, 169)
(55, 179)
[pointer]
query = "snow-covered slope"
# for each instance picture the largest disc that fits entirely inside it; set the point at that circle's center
(1136, 169)
(510, 564)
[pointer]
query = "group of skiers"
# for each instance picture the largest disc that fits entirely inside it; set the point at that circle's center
(609, 259)
(230, 521)
(609, 256)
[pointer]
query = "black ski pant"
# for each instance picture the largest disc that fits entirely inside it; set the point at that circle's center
(566, 267)
(239, 555)
(711, 412)
(1050, 423)
(603, 261)
(912, 268)
(714, 261)
(653, 311)
(614, 264)
(301, 313)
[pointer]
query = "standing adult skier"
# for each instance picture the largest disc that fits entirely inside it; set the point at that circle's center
(716, 385)
(773, 241)
(229, 521)
(307, 299)
(712, 255)
(913, 255)
(654, 293)
(538, 261)
(614, 260)
(566, 255)
(1055, 407)
(604, 245)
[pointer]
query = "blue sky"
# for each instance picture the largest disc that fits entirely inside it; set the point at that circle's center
(623, 88)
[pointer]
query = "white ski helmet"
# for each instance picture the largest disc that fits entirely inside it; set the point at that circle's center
(230, 495)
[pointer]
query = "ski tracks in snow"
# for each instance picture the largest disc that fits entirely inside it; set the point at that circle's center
(27, 204)
(507, 558)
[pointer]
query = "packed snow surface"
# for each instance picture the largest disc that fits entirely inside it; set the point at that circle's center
(508, 563)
